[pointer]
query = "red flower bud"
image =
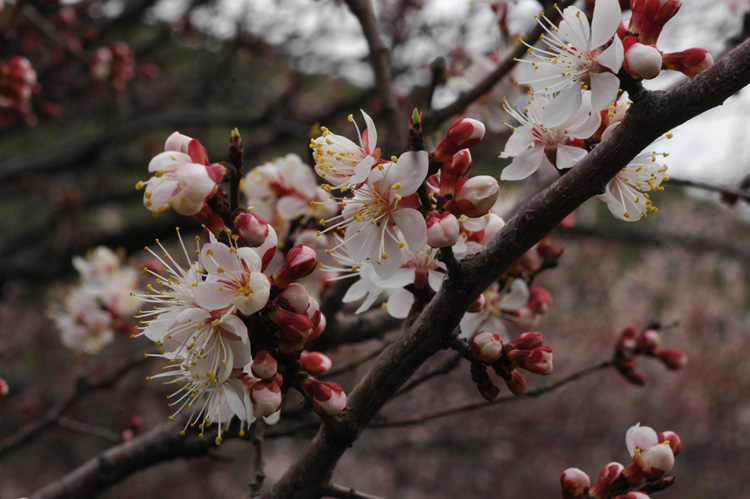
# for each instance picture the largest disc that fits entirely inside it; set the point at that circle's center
(648, 342)
(295, 298)
(575, 483)
(327, 398)
(690, 61)
(537, 360)
(252, 229)
(607, 476)
(266, 397)
(674, 441)
(650, 16)
(315, 363)
(527, 341)
(442, 229)
(295, 328)
(516, 383)
(462, 134)
(486, 347)
(300, 262)
(474, 197)
(264, 366)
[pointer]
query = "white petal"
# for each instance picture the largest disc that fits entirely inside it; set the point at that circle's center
(412, 225)
(362, 170)
(568, 156)
(213, 295)
(522, 139)
(612, 56)
(606, 19)
(195, 314)
(516, 296)
(435, 279)
(639, 436)
(387, 267)
(372, 133)
(411, 171)
(604, 88)
(575, 27)
(563, 107)
(356, 291)
(216, 255)
(524, 164)
(236, 398)
(400, 303)
(234, 325)
(164, 159)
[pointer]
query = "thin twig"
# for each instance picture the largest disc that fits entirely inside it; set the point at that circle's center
(471, 406)
(339, 492)
(88, 429)
(733, 191)
(83, 387)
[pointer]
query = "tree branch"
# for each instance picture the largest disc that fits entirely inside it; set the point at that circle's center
(339, 492)
(363, 11)
(651, 115)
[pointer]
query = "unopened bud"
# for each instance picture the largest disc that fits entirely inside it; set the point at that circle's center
(575, 483)
(198, 153)
(636, 494)
(264, 365)
(478, 304)
(673, 359)
(315, 363)
(627, 342)
(607, 476)
(537, 360)
(455, 168)
(516, 383)
(4, 388)
(656, 461)
(488, 390)
(300, 262)
(252, 229)
(266, 397)
(475, 197)
(443, 230)
(295, 298)
(642, 61)
(462, 134)
(650, 16)
(295, 328)
(689, 62)
(327, 398)
(486, 347)
(648, 341)
(539, 300)
(673, 439)
(527, 341)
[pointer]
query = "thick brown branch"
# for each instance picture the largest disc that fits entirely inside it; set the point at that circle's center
(651, 115)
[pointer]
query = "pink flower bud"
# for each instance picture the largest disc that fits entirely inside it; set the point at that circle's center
(642, 61)
(527, 341)
(673, 439)
(648, 341)
(575, 483)
(266, 397)
(442, 230)
(673, 359)
(627, 343)
(690, 61)
(327, 398)
(4, 388)
(656, 461)
(252, 229)
(478, 304)
(315, 363)
(300, 262)
(607, 476)
(539, 300)
(537, 360)
(650, 16)
(295, 328)
(264, 365)
(516, 383)
(295, 298)
(486, 347)
(177, 142)
(456, 167)
(475, 197)
(462, 134)
(633, 495)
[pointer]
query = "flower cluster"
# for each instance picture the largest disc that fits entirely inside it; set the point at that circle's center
(526, 352)
(647, 343)
(17, 84)
(100, 305)
(113, 64)
(653, 458)
(232, 329)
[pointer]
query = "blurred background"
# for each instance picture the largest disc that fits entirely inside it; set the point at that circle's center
(112, 79)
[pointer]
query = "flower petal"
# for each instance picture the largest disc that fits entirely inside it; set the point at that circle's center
(568, 156)
(605, 21)
(604, 88)
(563, 107)
(524, 164)
(399, 304)
(612, 56)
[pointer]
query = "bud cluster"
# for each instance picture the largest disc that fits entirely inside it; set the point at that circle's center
(653, 458)
(525, 352)
(452, 193)
(646, 343)
(114, 65)
(17, 84)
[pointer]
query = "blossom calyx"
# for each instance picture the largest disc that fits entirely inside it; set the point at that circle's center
(462, 134)
(300, 262)
(486, 347)
(689, 62)
(443, 229)
(575, 483)
(252, 229)
(649, 17)
(327, 398)
(474, 197)
(315, 363)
